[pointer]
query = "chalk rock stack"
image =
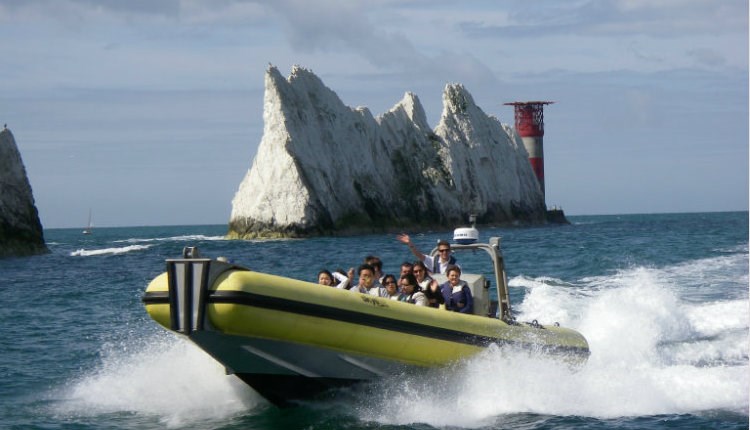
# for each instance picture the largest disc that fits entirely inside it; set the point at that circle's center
(20, 229)
(323, 168)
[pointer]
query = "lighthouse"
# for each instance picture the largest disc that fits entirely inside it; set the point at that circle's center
(530, 126)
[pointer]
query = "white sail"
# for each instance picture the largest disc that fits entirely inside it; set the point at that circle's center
(89, 226)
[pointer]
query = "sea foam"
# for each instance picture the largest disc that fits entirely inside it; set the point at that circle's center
(182, 238)
(652, 352)
(108, 251)
(161, 376)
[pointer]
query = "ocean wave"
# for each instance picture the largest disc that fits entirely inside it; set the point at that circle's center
(183, 238)
(523, 281)
(149, 376)
(108, 251)
(499, 382)
(652, 352)
(698, 280)
(734, 315)
(651, 319)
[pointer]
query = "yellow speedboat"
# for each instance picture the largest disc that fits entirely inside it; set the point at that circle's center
(290, 339)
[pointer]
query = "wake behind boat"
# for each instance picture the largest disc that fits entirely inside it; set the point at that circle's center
(292, 340)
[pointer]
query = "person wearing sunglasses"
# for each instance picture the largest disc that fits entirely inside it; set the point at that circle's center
(391, 287)
(429, 286)
(410, 292)
(434, 265)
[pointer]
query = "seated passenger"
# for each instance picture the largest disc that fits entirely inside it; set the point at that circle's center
(410, 291)
(434, 265)
(420, 272)
(367, 284)
(336, 279)
(457, 293)
(406, 268)
(428, 285)
(325, 278)
(377, 267)
(391, 286)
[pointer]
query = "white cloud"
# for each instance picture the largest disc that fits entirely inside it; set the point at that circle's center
(82, 75)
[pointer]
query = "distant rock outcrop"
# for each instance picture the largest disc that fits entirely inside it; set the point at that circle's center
(324, 168)
(20, 229)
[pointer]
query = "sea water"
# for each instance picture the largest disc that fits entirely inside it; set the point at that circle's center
(662, 300)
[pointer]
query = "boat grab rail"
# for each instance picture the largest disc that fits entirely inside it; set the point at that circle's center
(498, 265)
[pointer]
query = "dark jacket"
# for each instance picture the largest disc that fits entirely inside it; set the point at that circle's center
(461, 301)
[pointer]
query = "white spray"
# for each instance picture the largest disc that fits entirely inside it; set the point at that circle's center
(164, 377)
(653, 352)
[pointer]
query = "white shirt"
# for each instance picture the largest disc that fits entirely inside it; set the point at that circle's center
(430, 263)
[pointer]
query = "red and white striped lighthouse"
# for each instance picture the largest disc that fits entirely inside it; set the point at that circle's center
(530, 126)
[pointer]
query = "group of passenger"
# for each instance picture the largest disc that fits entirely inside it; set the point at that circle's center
(414, 283)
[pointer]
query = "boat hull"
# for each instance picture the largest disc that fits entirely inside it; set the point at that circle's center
(283, 372)
(291, 340)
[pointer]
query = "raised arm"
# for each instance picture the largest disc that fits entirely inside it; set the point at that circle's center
(404, 238)
(343, 280)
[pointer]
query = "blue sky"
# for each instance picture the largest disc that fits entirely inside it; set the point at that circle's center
(150, 112)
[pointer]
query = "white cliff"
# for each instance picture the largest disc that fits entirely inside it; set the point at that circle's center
(20, 229)
(488, 163)
(325, 168)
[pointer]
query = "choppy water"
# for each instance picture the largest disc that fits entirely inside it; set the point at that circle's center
(662, 300)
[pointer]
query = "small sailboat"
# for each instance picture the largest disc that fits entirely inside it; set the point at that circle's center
(89, 226)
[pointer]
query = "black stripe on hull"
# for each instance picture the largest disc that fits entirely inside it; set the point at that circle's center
(349, 316)
(375, 321)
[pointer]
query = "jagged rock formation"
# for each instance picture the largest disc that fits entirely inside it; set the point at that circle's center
(20, 229)
(324, 168)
